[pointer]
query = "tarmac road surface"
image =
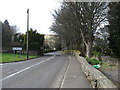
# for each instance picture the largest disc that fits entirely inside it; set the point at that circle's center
(53, 70)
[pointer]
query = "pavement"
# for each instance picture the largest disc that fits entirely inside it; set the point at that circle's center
(53, 70)
(74, 77)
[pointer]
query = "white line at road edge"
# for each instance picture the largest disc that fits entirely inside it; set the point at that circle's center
(10, 63)
(25, 69)
(4, 64)
(1, 64)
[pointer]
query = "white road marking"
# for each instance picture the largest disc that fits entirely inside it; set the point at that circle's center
(65, 75)
(3, 65)
(25, 69)
(10, 63)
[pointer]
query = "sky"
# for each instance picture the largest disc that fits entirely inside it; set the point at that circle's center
(40, 14)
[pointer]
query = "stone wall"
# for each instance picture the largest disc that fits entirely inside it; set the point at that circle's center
(96, 78)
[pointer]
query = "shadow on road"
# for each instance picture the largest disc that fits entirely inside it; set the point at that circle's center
(57, 53)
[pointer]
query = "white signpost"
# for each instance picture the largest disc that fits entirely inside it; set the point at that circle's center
(17, 48)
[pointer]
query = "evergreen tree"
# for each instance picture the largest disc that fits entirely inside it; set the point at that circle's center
(35, 40)
(6, 34)
(114, 27)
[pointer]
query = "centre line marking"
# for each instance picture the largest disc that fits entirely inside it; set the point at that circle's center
(25, 69)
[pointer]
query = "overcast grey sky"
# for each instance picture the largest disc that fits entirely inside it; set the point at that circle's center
(15, 11)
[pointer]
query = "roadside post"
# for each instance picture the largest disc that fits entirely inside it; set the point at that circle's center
(27, 48)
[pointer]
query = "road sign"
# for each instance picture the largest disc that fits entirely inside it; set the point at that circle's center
(17, 48)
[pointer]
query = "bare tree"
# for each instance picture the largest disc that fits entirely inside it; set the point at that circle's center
(14, 29)
(80, 19)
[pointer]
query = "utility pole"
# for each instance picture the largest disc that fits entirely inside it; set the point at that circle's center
(27, 48)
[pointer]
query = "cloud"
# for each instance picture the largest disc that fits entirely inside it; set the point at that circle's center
(15, 11)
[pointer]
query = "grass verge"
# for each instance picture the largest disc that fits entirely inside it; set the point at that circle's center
(9, 57)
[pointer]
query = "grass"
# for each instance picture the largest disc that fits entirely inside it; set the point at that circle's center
(110, 64)
(93, 61)
(9, 57)
(109, 67)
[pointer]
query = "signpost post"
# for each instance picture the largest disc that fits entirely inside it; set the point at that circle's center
(27, 49)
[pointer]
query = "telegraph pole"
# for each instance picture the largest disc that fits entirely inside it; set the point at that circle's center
(27, 48)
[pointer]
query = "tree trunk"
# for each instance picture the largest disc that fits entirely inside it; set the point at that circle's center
(89, 49)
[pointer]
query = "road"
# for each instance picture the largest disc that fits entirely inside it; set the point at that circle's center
(49, 71)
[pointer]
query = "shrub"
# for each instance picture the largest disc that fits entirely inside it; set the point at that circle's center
(94, 61)
(97, 54)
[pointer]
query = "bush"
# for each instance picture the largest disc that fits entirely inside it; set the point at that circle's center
(34, 46)
(94, 61)
(97, 54)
